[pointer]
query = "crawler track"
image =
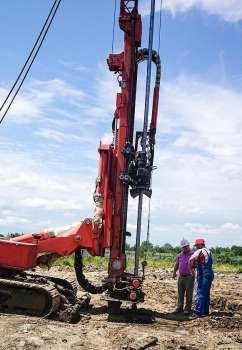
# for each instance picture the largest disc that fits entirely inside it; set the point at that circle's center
(35, 295)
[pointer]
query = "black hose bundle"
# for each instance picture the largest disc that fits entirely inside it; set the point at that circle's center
(143, 56)
(81, 279)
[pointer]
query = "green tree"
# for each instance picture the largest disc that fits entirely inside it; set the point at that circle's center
(14, 234)
(236, 250)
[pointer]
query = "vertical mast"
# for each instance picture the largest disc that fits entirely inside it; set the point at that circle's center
(125, 64)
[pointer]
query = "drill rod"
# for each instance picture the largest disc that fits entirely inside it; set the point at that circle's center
(145, 131)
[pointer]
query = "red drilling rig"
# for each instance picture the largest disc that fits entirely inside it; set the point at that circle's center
(125, 168)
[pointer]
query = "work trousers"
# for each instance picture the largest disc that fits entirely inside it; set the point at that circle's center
(203, 295)
(185, 286)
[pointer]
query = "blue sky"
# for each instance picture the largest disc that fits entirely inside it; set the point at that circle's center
(49, 140)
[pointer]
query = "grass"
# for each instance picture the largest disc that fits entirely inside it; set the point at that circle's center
(227, 268)
(152, 263)
(103, 262)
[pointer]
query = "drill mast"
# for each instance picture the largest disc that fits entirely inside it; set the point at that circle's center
(125, 169)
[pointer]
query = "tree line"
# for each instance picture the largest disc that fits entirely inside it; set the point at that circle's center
(231, 255)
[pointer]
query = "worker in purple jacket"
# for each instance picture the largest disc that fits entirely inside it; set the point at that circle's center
(186, 279)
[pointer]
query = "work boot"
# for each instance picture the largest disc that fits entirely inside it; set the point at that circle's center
(187, 312)
(178, 310)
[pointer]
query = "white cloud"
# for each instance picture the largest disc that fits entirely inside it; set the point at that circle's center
(198, 154)
(203, 117)
(199, 151)
(101, 108)
(13, 220)
(72, 65)
(81, 68)
(107, 138)
(31, 188)
(59, 136)
(228, 10)
(231, 227)
(214, 235)
(54, 204)
(5, 212)
(32, 102)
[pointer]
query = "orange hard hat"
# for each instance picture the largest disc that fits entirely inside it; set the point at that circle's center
(199, 241)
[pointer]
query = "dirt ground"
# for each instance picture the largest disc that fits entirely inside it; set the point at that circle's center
(98, 330)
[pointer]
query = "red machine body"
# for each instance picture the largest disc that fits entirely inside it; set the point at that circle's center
(108, 227)
(22, 253)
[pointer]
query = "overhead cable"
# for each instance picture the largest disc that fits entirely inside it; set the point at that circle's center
(30, 60)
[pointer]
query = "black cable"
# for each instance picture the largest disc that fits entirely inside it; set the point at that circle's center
(31, 52)
(114, 23)
(81, 279)
(161, 3)
(45, 31)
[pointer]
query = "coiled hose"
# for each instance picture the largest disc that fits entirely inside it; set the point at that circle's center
(143, 55)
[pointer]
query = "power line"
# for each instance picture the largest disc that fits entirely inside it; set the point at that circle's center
(31, 58)
(31, 52)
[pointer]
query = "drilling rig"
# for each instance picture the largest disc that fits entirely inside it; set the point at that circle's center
(125, 169)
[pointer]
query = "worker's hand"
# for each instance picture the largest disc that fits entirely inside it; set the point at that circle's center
(174, 275)
(193, 272)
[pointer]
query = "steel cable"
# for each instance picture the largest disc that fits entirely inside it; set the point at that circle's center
(31, 58)
(114, 23)
(159, 31)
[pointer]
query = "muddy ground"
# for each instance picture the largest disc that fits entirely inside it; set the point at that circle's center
(98, 330)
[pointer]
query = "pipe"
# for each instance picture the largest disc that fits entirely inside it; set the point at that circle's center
(138, 233)
(145, 131)
(148, 76)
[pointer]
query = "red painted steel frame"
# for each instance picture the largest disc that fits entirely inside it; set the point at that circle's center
(125, 64)
(22, 252)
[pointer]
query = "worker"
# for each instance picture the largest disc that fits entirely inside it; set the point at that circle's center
(186, 279)
(202, 260)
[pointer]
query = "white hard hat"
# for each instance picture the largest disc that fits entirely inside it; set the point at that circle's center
(184, 243)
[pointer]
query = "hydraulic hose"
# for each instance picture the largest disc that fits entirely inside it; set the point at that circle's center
(143, 55)
(81, 279)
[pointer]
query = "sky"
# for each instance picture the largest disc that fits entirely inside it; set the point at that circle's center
(49, 139)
